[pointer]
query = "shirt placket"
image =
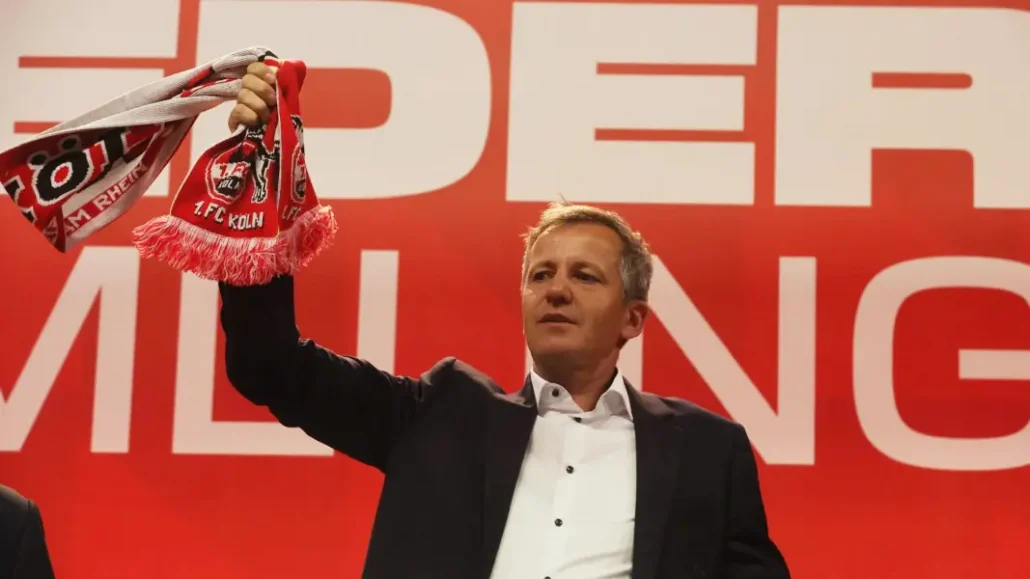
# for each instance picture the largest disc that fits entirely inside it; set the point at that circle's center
(568, 483)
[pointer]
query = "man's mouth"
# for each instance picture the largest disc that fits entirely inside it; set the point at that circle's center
(555, 319)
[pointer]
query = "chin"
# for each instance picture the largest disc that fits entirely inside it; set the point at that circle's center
(553, 346)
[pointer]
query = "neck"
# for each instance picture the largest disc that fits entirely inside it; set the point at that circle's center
(585, 383)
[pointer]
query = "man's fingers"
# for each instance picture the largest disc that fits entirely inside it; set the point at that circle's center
(259, 87)
(241, 115)
(253, 102)
(255, 98)
(258, 69)
(262, 71)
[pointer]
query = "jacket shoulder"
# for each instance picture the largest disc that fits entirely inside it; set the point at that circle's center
(451, 371)
(686, 412)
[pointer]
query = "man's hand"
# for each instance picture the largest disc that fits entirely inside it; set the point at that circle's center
(256, 99)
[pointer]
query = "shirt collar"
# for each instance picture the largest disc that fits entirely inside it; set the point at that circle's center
(614, 401)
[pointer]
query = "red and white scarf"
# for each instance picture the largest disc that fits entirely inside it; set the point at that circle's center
(247, 210)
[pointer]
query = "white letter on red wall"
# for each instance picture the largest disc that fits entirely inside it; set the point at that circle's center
(558, 100)
(113, 273)
(781, 435)
(830, 117)
(874, 363)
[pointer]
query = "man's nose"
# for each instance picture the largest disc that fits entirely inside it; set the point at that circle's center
(558, 290)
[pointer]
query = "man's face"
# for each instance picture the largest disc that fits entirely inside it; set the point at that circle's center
(572, 296)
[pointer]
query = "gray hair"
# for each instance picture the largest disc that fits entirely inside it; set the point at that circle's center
(635, 264)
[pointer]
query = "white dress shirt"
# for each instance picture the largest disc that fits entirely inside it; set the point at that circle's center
(573, 510)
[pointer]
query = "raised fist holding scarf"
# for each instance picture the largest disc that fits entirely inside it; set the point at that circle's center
(247, 210)
(256, 99)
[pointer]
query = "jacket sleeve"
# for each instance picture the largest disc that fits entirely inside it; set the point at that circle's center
(750, 552)
(343, 402)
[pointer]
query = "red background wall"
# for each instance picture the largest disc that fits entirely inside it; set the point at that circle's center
(177, 500)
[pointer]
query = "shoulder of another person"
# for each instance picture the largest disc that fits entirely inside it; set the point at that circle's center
(15, 511)
(12, 501)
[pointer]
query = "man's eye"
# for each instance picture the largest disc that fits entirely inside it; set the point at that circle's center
(586, 277)
(538, 276)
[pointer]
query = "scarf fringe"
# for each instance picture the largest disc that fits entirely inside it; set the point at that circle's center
(236, 261)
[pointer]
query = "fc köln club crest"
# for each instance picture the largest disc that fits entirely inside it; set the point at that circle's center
(228, 171)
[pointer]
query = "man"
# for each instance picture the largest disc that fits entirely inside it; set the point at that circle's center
(576, 475)
(23, 549)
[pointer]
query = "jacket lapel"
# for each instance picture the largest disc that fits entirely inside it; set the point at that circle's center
(510, 421)
(659, 448)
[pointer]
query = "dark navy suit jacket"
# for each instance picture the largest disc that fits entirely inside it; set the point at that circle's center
(451, 442)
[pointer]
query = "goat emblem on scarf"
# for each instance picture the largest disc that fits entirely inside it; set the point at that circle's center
(228, 172)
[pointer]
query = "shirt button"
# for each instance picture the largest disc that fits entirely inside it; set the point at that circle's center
(577, 419)
(557, 522)
(554, 392)
(569, 469)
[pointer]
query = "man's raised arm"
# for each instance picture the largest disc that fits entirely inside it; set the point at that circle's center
(343, 402)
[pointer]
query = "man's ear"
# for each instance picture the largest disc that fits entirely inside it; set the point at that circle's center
(636, 313)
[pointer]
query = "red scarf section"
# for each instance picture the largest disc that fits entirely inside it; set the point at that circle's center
(246, 212)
